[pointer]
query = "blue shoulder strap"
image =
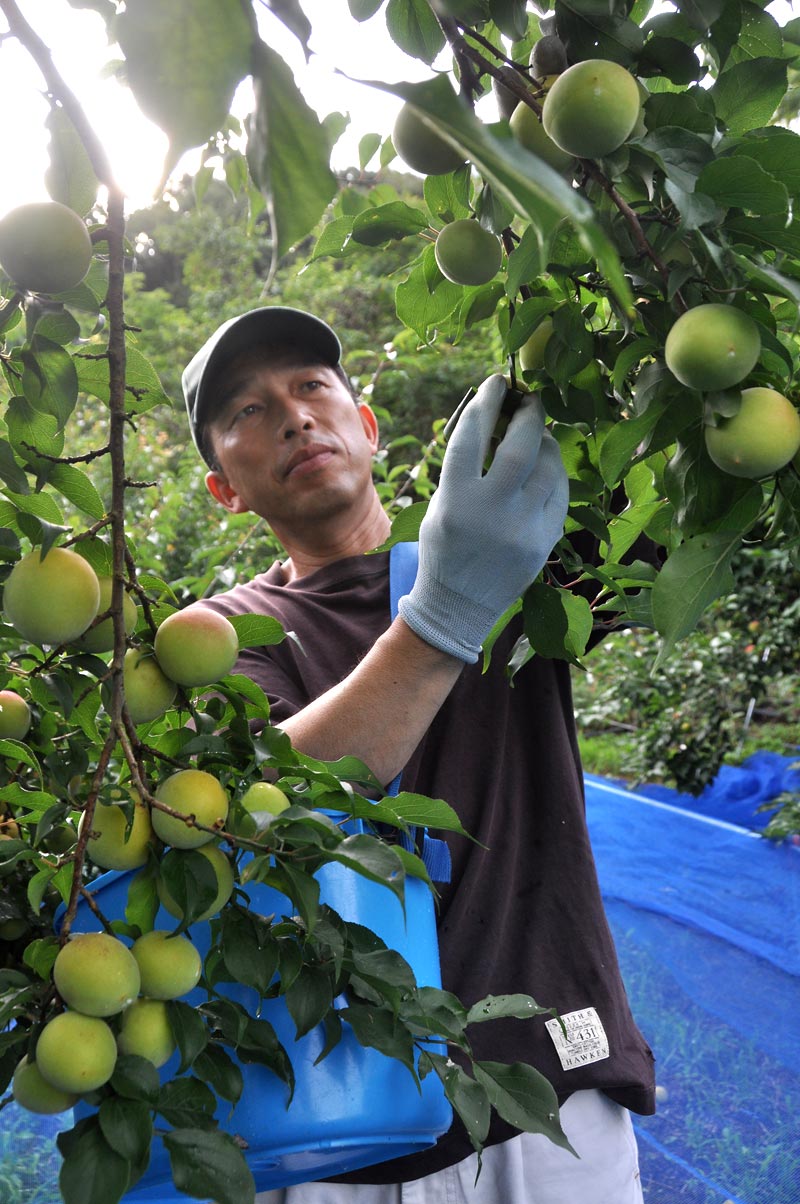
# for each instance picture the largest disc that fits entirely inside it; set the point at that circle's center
(435, 853)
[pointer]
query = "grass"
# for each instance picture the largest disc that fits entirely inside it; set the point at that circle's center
(608, 753)
(29, 1161)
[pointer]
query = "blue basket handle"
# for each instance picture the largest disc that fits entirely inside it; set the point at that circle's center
(435, 853)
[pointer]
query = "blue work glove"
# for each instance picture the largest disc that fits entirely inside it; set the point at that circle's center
(486, 537)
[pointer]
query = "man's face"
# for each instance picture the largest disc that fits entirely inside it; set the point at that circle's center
(291, 443)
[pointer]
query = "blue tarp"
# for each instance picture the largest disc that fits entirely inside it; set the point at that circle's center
(706, 916)
(738, 791)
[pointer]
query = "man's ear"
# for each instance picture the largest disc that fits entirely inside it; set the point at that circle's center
(217, 485)
(369, 423)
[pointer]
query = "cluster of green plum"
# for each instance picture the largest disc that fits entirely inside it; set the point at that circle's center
(55, 599)
(590, 109)
(712, 348)
(116, 996)
(116, 1002)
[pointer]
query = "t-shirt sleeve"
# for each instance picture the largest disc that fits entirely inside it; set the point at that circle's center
(285, 699)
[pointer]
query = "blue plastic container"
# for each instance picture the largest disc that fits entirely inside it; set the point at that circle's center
(357, 1107)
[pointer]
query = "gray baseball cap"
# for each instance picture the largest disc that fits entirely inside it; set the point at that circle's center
(272, 326)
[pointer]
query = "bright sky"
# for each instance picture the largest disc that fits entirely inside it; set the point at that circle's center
(135, 147)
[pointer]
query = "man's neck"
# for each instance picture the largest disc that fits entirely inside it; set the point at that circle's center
(315, 549)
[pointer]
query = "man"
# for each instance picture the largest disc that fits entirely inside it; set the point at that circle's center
(273, 416)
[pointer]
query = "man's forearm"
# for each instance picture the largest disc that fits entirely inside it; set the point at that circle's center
(381, 710)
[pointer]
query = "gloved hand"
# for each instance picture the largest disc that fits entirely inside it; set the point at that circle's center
(485, 538)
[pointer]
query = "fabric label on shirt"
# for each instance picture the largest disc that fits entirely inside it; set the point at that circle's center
(582, 1039)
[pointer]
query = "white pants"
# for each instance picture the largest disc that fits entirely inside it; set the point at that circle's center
(528, 1169)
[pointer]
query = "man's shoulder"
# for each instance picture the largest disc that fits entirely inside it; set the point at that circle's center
(354, 577)
(256, 596)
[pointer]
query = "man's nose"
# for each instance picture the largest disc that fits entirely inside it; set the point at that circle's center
(296, 418)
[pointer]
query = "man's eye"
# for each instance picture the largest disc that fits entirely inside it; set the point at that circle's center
(245, 412)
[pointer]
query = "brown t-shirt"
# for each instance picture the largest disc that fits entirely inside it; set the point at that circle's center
(522, 912)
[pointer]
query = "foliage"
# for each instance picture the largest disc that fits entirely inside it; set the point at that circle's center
(743, 660)
(697, 206)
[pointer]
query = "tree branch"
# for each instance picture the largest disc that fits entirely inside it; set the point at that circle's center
(40, 53)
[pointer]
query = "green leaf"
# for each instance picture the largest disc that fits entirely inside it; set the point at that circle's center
(297, 187)
(259, 1042)
(702, 495)
(431, 1011)
(405, 809)
(334, 240)
(249, 950)
(747, 94)
(189, 1031)
(209, 1164)
(740, 182)
(191, 881)
(333, 1034)
(510, 17)
(143, 389)
(777, 151)
(27, 428)
(92, 1172)
(303, 890)
(700, 14)
(447, 196)
(494, 1007)
(142, 902)
(136, 1078)
(15, 750)
(293, 17)
(367, 147)
(379, 225)
(127, 1126)
(49, 379)
(309, 998)
(385, 970)
(771, 232)
(422, 307)
(469, 1099)
(523, 1097)
(691, 578)
(70, 178)
(257, 631)
(594, 32)
(625, 528)
(183, 63)
(40, 956)
(187, 1102)
(372, 859)
(379, 1028)
(680, 154)
(215, 1067)
(528, 185)
(528, 315)
(557, 622)
(37, 885)
(78, 489)
(413, 27)
(623, 439)
(41, 505)
(527, 261)
(362, 10)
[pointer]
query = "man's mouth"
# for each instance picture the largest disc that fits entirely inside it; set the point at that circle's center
(308, 460)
